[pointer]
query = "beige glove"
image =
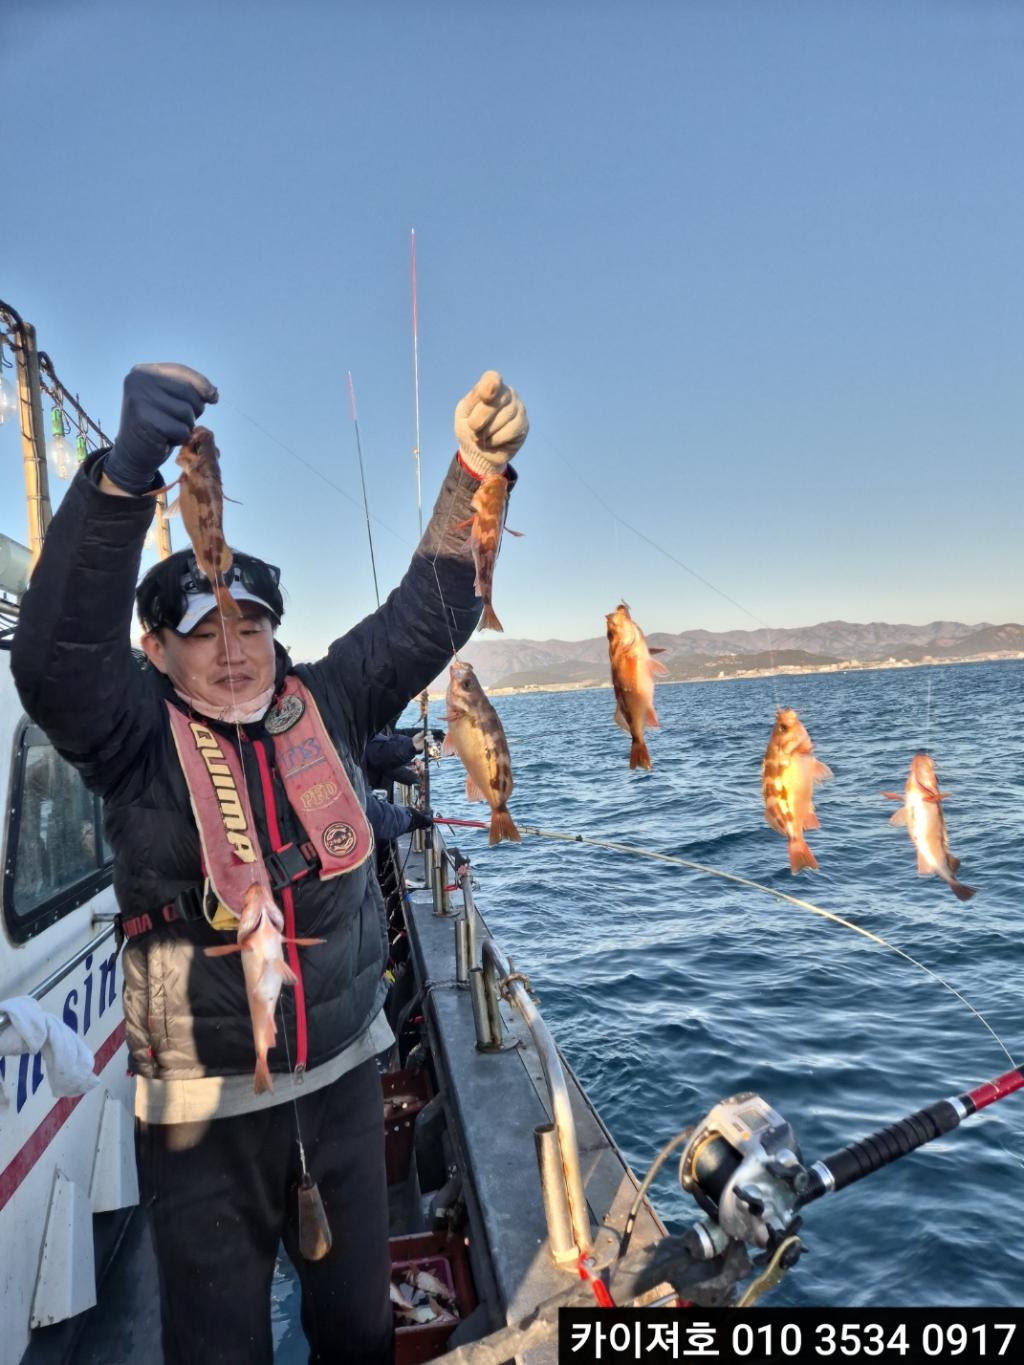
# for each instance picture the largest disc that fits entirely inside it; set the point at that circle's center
(490, 425)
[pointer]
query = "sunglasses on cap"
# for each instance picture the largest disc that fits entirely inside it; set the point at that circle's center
(251, 573)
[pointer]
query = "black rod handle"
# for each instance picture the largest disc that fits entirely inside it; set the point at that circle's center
(879, 1149)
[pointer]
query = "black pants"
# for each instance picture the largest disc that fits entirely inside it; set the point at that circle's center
(221, 1196)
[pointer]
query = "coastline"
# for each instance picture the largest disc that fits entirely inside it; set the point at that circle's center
(783, 671)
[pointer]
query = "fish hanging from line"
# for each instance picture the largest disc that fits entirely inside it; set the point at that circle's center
(633, 674)
(490, 506)
(788, 774)
(921, 812)
(476, 734)
(260, 941)
(201, 504)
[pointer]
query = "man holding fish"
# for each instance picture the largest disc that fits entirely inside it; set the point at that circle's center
(234, 805)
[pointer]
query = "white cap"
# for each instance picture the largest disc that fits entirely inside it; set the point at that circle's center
(201, 604)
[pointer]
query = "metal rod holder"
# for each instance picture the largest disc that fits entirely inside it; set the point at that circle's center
(466, 882)
(552, 1185)
(461, 952)
(498, 973)
(437, 886)
(485, 1040)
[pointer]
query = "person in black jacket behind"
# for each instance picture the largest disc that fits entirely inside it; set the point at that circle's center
(221, 764)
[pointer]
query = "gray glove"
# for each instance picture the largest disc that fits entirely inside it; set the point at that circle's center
(160, 407)
(490, 425)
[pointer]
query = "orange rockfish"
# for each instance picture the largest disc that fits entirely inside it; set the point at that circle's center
(476, 734)
(201, 502)
(490, 504)
(921, 812)
(788, 775)
(260, 941)
(633, 673)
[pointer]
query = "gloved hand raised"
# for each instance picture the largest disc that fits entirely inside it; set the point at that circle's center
(161, 405)
(490, 425)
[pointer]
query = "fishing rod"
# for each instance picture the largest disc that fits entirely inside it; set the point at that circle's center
(613, 847)
(416, 376)
(362, 480)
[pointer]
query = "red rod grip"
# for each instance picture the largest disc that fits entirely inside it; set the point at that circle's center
(996, 1090)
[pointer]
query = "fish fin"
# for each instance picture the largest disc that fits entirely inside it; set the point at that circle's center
(507, 530)
(954, 863)
(962, 892)
(237, 501)
(261, 1081)
(305, 942)
(448, 747)
(155, 492)
(893, 796)
(639, 757)
(938, 796)
(800, 855)
(811, 820)
(924, 867)
(656, 649)
(652, 718)
(461, 525)
(620, 720)
(226, 602)
(285, 972)
(821, 772)
(473, 792)
(899, 817)
(503, 827)
(489, 620)
(657, 668)
(222, 949)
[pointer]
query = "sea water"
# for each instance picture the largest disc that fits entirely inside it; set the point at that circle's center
(668, 990)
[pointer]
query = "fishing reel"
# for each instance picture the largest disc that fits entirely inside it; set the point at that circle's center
(742, 1165)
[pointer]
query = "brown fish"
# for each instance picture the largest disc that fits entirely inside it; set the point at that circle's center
(490, 504)
(788, 775)
(260, 941)
(201, 502)
(475, 733)
(633, 673)
(921, 812)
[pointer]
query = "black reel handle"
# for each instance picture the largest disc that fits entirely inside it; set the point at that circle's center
(871, 1153)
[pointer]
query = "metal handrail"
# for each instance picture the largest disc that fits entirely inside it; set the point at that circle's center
(55, 978)
(498, 978)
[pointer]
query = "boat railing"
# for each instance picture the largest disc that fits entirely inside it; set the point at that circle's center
(490, 979)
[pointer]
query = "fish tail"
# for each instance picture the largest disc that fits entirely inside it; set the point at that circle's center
(503, 827)
(261, 1081)
(225, 601)
(800, 855)
(489, 620)
(639, 757)
(961, 891)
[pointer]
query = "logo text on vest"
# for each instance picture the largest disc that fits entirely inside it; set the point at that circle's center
(226, 792)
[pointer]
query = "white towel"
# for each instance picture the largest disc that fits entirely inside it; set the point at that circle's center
(69, 1063)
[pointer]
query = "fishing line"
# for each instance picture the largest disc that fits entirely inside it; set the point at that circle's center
(642, 535)
(362, 480)
(757, 886)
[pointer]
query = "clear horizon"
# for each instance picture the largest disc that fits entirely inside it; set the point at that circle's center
(754, 269)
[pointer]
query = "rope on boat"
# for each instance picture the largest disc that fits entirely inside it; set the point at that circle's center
(613, 847)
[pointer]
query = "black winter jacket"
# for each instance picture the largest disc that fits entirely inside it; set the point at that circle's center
(186, 1013)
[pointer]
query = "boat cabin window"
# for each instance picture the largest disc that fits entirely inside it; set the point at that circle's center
(57, 857)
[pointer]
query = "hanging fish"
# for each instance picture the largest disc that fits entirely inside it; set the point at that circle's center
(788, 775)
(921, 812)
(633, 674)
(490, 505)
(260, 941)
(201, 503)
(476, 734)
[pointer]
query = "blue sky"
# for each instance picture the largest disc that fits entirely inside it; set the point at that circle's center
(755, 267)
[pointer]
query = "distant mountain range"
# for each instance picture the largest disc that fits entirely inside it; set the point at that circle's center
(695, 654)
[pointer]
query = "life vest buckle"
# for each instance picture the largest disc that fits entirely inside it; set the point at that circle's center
(290, 864)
